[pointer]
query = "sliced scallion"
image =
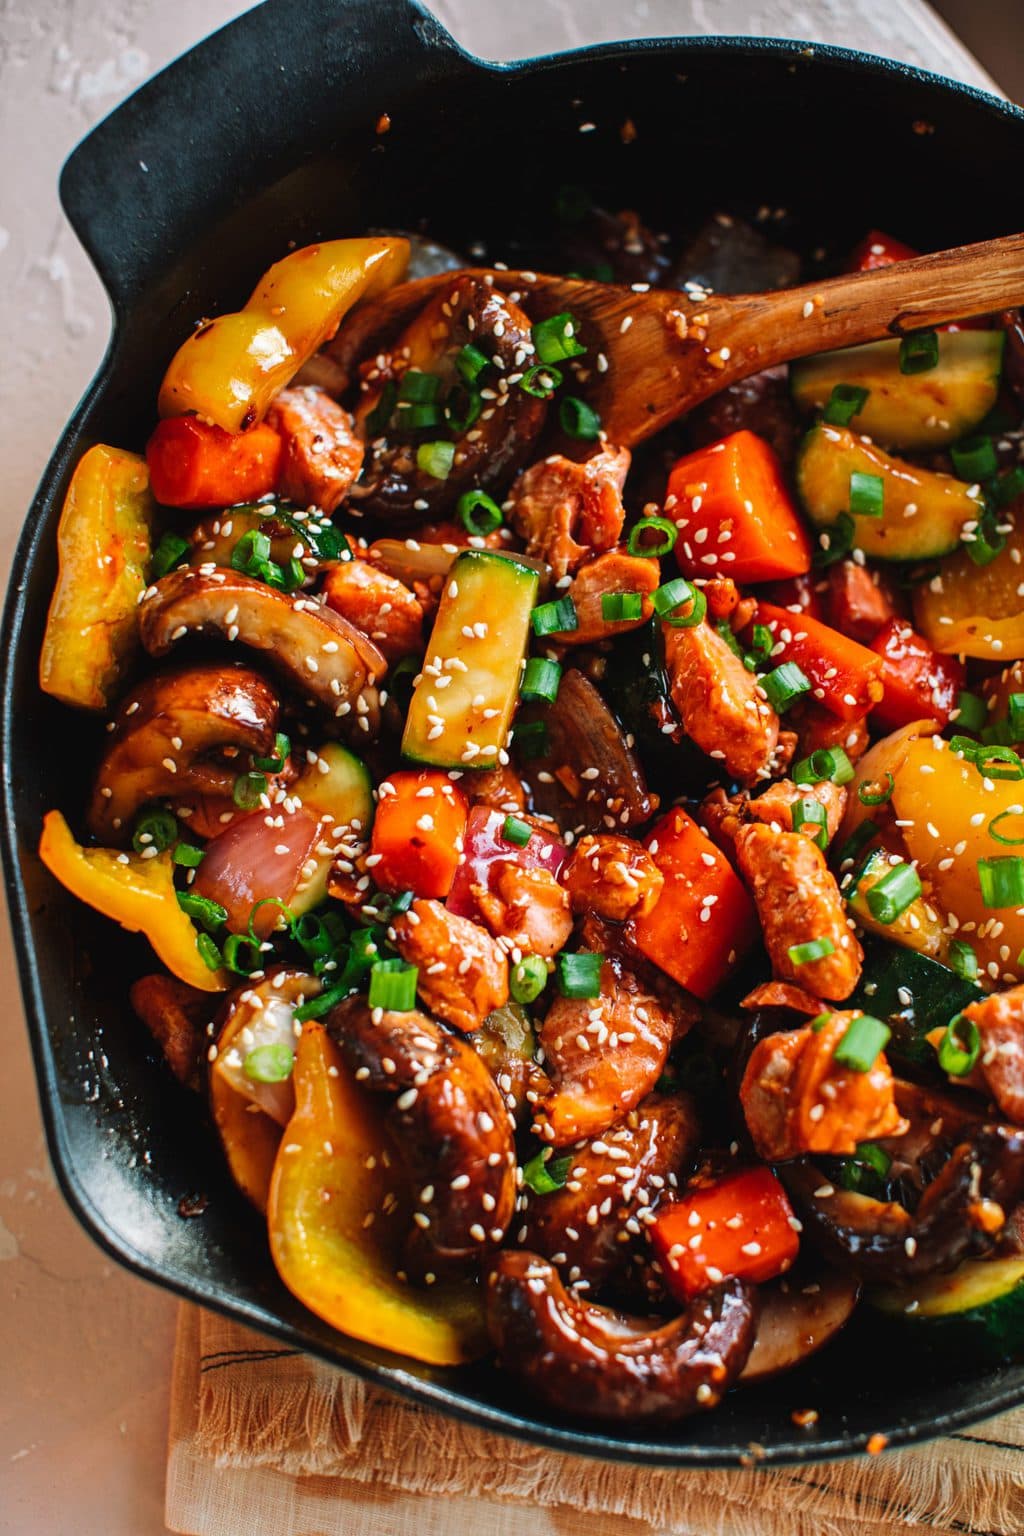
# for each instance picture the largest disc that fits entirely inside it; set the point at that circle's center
(784, 685)
(540, 680)
(869, 796)
(578, 419)
(527, 979)
(640, 540)
(478, 513)
(579, 975)
(867, 494)
(890, 897)
(813, 949)
(436, 459)
(270, 1063)
(810, 813)
(555, 618)
(919, 352)
(621, 607)
(680, 604)
(1002, 881)
(555, 339)
(959, 1047)
(393, 986)
(859, 1047)
(516, 831)
(844, 403)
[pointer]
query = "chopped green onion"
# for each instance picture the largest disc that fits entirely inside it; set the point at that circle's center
(963, 746)
(865, 1171)
(171, 550)
(1000, 837)
(419, 387)
(379, 419)
(761, 649)
(555, 339)
(462, 408)
(844, 403)
(287, 915)
(274, 764)
(674, 596)
(890, 897)
(1009, 487)
(209, 951)
(316, 1007)
(809, 813)
(971, 711)
(621, 607)
(638, 545)
(208, 914)
(998, 762)
(555, 618)
(819, 1022)
(540, 680)
(249, 790)
(187, 856)
(312, 937)
(784, 685)
(236, 960)
(363, 950)
(963, 960)
(541, 381)
(527, 979)
(1002, 881)
(156, 828)
(269, 1063)
(974, 458)
(545, 1174)
(836, 541)
(393, 986)
(864, 1038)
(414, 418)
(858, 840)
(252, 553)
(471, 362)
(867, 494)
(436, 459)
(1015, 707)
(986, 541)
(919, 352)
(530, 739)
(868, 796)
(959, 1047)
(724, 629)
(578, 419)
(826, 763)
(478, 513)
(579, 975)
(516, 831)
(813, 949)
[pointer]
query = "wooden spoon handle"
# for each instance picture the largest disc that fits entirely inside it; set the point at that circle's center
(911, 295)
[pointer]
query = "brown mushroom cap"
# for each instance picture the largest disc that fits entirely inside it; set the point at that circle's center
(164, 733)
(393, 487)
(319, 652)
(448, 1120)
(590, 1361)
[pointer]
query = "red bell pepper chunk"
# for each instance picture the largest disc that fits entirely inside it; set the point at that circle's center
(844, 676)
(919, 683)
(740, 1226)
(193, 464)
(878, 250)
(798, 594)
(734, 513)
(485, 847)
(703, 920)
(418, 832)
(858, 602)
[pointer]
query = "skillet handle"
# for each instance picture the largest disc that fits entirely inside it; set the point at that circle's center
(235, 115)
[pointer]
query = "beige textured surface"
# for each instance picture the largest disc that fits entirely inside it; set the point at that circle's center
(85, 1348)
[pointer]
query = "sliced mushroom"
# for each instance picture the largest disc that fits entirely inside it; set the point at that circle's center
(589, 1361)
(962, 1212)
(393, 486)
(584, 736)
(592, 1227)
(176, 1016)
(319, 652)
(164, 734)
(798, 1316)
(506, 1043)
(448, 1120)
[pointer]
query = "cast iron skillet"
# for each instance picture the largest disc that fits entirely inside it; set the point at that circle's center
(264, 136)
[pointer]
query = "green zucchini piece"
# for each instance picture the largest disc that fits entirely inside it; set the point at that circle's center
(462, 705)
(913, 995)
(977, 1311)
(345, 793)
(939, 505)
(918, 926)
(918, 411)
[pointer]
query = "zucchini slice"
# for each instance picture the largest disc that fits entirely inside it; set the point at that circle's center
(913, 994)
(918, 926)
(976, 1312)
(923, 513)
(909, 410)
(344, 791)
(463, 702)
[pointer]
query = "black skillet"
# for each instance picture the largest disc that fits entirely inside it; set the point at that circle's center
(266, 135)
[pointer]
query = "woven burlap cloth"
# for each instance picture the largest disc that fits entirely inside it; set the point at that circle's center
(268, 1442)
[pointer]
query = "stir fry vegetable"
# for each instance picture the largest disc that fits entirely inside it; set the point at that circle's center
(582, 883)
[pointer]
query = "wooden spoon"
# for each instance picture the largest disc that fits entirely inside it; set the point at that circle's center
(653, 353)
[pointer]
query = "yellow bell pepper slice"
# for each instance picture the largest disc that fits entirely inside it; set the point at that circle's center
(336, 1166)
(103, 549)
(138, 893)
(975, 610)
(946, 814)
(230, 368)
